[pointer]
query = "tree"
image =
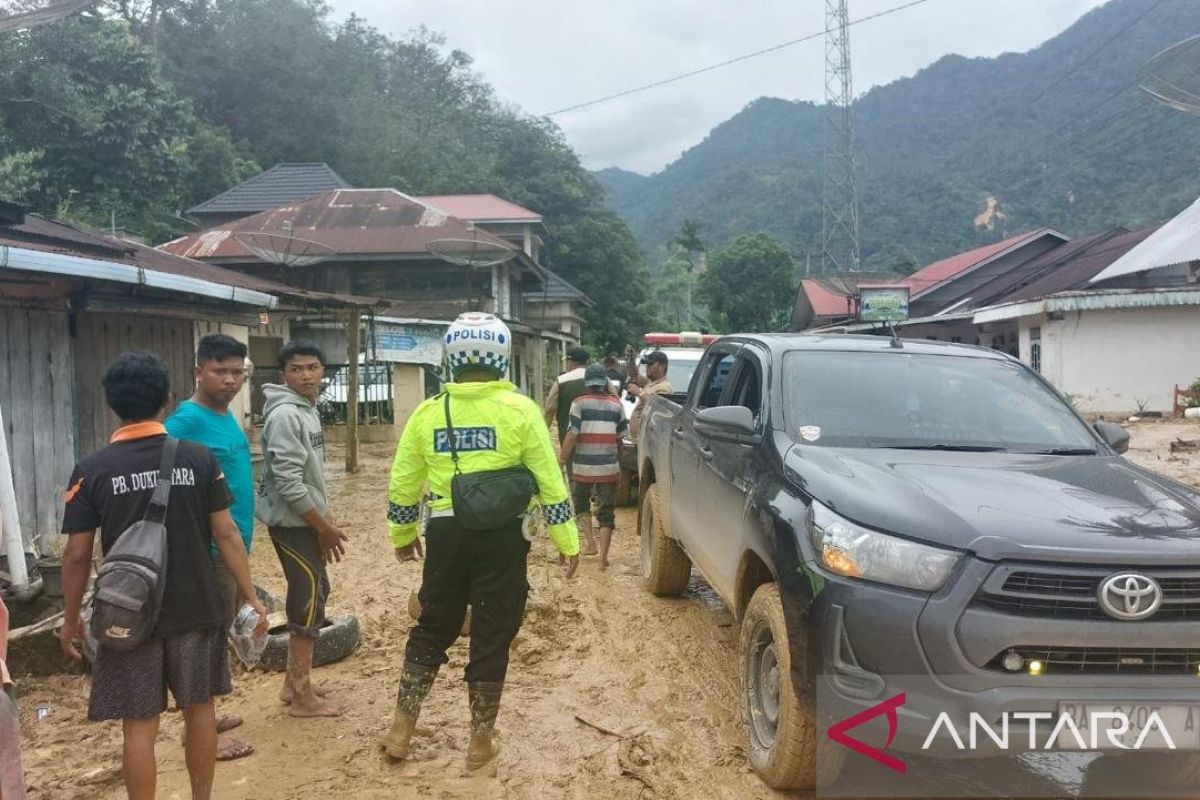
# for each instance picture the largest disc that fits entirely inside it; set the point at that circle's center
(597, 253)
(21, 175)
(750, 285)
(160, 104)
(112, 135)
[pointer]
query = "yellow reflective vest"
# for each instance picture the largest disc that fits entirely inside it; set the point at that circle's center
(495, 427)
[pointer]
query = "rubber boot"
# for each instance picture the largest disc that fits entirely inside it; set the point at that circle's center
(484, 697)
(415, 683)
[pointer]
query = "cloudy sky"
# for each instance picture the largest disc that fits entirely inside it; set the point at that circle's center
(545, 55)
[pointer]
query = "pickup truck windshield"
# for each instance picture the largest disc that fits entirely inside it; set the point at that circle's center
(926, 401)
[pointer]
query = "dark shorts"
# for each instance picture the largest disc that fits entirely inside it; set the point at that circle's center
(606, 498)
(133, 685)
(307, 583)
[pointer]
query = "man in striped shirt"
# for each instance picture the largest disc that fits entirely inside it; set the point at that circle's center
(597, 422)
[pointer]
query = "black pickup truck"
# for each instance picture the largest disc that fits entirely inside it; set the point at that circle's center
(931, 520)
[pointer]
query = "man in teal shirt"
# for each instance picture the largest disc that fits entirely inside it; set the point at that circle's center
(206, 419)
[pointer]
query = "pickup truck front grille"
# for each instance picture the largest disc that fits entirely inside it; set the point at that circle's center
(1104, 660)
(1061, 593)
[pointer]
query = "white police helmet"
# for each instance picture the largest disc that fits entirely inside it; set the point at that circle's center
(478, 340)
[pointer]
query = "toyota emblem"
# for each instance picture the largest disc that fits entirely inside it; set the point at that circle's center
(1129, 596)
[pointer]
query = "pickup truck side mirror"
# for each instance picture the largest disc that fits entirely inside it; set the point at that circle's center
(1116, 436)
(728, 424)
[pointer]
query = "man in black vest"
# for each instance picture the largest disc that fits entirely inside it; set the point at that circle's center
(566, 388)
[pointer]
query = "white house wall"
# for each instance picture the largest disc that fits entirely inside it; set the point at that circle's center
(1116, 360)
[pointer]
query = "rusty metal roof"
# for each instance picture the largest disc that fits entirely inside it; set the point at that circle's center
(52, 236)
(481, 208)
(45, 234)
(352, 222)
(280, 185)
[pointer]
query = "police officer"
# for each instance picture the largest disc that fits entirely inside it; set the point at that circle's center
(494, 427)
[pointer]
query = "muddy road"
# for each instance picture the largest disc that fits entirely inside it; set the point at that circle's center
(612, 693)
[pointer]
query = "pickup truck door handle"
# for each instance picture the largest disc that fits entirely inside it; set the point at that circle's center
(706, 453)
(678, 433)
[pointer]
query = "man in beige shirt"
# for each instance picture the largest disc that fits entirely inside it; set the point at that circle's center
(654, 382)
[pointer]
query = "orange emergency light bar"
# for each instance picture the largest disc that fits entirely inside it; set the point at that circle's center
(684, 339)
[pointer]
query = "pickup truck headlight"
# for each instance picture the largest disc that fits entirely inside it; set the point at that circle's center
(847, 549)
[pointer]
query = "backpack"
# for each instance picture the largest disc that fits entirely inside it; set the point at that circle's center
(132, 577)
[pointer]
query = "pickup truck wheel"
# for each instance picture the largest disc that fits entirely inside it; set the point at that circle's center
(665, 566)
(784, 747)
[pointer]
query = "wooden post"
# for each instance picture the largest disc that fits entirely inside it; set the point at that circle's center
(352, 336)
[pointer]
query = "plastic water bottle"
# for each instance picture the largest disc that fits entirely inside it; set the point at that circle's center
(248, 647)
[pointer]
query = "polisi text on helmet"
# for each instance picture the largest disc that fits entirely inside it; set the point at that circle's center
(479, 334)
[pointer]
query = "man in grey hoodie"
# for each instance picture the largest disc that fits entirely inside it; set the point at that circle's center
(293, 505)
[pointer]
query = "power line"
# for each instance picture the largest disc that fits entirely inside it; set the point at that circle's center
(1098, 127)
(1095, 52)
(1084, 115)
(711, 67)
(1172, 124)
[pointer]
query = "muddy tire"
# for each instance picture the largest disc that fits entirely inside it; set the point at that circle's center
(782, 736)
(665, 566)
(338, 639)
(624, 494)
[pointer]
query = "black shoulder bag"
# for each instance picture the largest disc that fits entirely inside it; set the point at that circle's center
(484, 501)
(131, 580)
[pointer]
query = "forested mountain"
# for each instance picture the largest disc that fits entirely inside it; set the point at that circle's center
(139, 108)
(1057, 136)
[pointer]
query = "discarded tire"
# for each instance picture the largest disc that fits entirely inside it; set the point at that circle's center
(338, 639)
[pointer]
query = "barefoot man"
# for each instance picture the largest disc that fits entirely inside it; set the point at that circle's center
(293, 505)
(589, 451)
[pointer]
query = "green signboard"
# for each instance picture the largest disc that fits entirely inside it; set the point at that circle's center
(883, 303)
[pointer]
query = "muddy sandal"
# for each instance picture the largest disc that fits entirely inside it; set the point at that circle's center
(228, 723)
(233, 749)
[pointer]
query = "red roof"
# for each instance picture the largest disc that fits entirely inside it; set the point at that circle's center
(480, 208)
(826, 303)
(939, 271)
(349, 221)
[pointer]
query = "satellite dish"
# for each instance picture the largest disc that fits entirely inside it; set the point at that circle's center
(470, 252)
(16, 15)
(1171, 77)
(284, 249)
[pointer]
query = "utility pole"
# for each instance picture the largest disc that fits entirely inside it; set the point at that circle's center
(839, 218)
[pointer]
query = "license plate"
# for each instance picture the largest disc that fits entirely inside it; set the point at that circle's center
(1181, 723)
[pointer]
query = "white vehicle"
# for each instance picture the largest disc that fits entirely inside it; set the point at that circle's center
(684, 351)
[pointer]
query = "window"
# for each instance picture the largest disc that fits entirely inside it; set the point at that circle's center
(906, 399)
(1035, 349)
(714, 381)
(747, 389)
